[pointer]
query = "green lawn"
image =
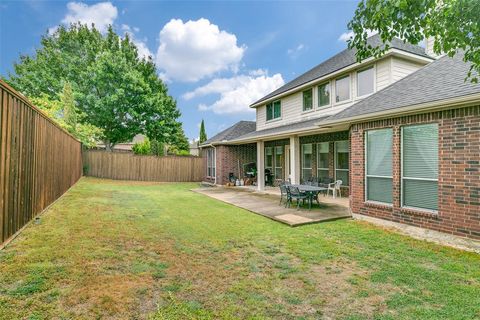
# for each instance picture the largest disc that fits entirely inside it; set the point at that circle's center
(127, 250)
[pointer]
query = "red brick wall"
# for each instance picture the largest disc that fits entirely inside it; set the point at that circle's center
(227, 158)
(459, 173)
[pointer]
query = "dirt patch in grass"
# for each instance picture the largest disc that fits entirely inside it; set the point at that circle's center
(345, 289)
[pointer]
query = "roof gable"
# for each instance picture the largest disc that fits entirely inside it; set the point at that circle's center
(238, 129)
(441, 80)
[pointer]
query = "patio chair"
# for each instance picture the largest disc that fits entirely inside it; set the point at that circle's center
(335, 187)
(283, 193)
(295, 194)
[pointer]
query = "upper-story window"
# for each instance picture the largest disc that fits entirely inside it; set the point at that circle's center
(342, 89)
(365, 82)
(274, 110)
(324, 95)
(308, 100)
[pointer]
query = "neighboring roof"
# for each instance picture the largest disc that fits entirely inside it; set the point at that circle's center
(138, 138)
(440, 80)
(238, 129)
(300, 125)
(341, 60)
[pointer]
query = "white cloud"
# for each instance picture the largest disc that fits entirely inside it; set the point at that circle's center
(344, 37)
(236, 93)
(143, 50)
(197, 49)
(295, 52)
(100, 14)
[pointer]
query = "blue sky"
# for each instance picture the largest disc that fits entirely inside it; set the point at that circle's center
(216, 57)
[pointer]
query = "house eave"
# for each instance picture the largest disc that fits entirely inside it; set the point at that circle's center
(463, 101)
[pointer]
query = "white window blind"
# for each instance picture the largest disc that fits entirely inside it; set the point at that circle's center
(379, 165)
(306, 161)
(342, 162)
(279, 162)
(323, 160)
(420, 166)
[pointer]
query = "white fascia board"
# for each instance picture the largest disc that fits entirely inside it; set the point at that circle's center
(463, 101)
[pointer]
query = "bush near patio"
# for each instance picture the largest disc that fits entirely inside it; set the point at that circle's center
(118, 250)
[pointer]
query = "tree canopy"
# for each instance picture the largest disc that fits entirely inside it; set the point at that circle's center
(114, 89)
(453, 24)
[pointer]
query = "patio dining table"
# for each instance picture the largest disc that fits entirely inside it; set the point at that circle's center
(311, 191)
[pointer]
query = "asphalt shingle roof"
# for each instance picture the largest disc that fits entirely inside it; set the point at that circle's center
(440, 80)
(301, 125)
(339, 61)
(238, 129)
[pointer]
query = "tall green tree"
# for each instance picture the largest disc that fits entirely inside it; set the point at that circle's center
(114, 89)
(453, 24)
(70, 112)
(62, 109)
(203, 134)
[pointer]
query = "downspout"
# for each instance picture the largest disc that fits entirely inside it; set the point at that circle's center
(215, 151)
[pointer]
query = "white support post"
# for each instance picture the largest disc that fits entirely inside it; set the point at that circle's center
(260, 166)
(295, 159)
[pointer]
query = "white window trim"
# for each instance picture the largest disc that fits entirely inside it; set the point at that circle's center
(374, 67)
(303, 159)
(375, 176)
(317, 107)
(350, 96)
(335, 161)
(318, 158)
(273, 110)
(402, 205)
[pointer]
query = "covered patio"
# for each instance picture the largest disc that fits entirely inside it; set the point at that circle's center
(267, 204)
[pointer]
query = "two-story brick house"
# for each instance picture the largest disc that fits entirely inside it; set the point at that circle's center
(402, 132)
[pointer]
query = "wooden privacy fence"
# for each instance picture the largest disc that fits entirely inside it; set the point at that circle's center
(39, 161)
(127, 166)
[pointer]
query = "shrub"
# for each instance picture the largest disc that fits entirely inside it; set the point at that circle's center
(142, 147)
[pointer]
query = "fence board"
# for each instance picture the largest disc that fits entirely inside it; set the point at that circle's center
(39, 161)
(127, 166)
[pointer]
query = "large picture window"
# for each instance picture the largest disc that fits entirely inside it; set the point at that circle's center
(342, 89)
(211, 163)
(324, 95)
(420, 166)
(378, 153)
(306, 161)
(342, 162)
(323, 160)
(279, 162)
(307, 100)
(274, 110)
(365, 82)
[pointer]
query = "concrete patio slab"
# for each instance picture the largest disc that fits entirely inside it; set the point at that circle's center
(268, 206)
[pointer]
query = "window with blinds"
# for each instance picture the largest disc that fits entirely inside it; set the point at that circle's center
(322, 160)
(378, 153)
(211, 163)
(279, 162)
(420, 166)
(342, 162)
(306, 161)
(269, 158)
